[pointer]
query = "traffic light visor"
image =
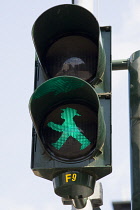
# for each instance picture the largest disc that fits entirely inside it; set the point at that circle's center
(68, 42)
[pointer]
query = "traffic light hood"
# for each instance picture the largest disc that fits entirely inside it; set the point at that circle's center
(68, 20)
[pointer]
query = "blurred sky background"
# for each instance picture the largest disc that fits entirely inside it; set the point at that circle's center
(20, 189)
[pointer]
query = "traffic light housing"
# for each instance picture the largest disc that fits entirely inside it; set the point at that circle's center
(71, 104)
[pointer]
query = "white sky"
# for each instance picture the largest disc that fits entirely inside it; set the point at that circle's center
(20, 189)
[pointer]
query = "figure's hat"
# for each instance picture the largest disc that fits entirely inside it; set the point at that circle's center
(70, 111)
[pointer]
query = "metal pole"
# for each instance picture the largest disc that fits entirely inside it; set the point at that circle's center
(134, 69)
(120, 64)
(87, 207)
(87, 4)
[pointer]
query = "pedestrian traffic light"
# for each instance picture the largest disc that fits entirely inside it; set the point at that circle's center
(70, 106)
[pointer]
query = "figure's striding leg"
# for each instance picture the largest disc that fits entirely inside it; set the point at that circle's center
(60, 142)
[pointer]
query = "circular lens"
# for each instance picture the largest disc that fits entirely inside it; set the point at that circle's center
(72, 56)
(70, 132)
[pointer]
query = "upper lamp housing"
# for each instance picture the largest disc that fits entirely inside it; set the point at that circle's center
(68, 43)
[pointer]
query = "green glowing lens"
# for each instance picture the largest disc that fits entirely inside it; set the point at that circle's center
(70, 131)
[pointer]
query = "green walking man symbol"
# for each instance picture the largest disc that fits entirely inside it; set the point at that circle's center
(68, 128)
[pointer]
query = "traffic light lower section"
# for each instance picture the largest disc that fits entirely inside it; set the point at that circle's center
(68, 105)
(68, 118)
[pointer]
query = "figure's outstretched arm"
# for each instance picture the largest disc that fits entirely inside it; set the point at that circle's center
(55, 126)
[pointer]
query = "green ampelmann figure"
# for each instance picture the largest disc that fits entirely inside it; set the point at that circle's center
(68, 128)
